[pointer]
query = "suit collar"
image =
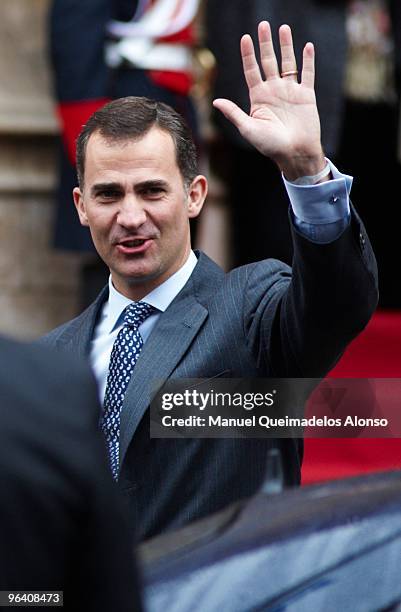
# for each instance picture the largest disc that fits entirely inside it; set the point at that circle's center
(160, 297)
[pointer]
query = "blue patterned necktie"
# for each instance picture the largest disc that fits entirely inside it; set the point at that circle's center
(126, 349)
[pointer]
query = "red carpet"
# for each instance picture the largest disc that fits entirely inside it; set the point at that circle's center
(376, 353)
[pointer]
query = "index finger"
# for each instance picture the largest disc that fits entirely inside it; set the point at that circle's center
(250, 65)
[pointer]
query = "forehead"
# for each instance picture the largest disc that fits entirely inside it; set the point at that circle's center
(152, 154)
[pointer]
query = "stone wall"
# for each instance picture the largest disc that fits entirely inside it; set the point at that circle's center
(38, 286)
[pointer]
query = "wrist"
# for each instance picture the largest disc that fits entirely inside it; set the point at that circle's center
(321, 177)
(303, 166)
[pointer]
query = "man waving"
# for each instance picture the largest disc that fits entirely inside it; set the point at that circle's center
(168, 312)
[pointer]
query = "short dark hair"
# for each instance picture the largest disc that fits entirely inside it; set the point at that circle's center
(131, 118)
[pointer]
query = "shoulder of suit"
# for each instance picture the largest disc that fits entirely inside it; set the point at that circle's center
(93, 309)
(52, 336)
(211, 281)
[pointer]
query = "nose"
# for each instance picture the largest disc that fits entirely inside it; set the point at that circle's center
(131, 214)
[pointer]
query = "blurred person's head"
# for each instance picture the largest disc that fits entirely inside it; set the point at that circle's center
(138, 188)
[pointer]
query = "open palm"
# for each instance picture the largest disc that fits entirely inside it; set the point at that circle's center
(283, 122)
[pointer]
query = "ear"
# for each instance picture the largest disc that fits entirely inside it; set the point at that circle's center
(197, 193)
(80, 206)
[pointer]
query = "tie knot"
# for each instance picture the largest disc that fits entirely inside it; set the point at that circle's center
(136, 313)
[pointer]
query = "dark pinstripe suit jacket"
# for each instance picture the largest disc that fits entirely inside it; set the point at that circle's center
(258, 320)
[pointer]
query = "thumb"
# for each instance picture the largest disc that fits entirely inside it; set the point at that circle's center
(232, 112)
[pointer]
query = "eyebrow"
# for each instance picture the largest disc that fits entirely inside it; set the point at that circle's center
(151, 184)
(99, 187)
(143, 185)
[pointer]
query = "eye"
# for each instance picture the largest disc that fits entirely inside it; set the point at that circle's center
(108, 195)
(153, 193)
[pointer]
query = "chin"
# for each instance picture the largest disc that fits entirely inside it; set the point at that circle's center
(139, 275)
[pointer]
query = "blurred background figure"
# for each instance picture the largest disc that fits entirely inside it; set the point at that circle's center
(370, 145)
(106, 49)
(61, 526)
(370, 139)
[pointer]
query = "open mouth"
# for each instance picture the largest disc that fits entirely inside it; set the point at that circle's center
(136, 245)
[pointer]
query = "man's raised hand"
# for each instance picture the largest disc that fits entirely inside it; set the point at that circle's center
(283, 122)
